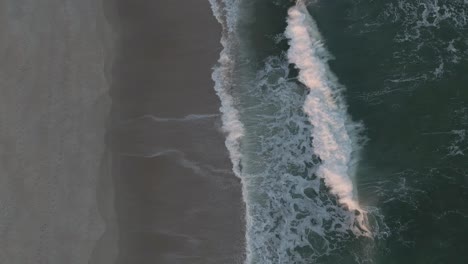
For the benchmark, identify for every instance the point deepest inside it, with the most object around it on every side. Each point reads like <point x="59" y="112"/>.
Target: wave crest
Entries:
<point x="334" y="134"/>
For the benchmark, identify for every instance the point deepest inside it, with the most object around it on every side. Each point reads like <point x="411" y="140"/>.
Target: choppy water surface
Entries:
<point x="347" y="122"/>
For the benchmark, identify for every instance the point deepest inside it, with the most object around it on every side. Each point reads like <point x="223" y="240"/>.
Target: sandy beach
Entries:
<point x="54" y="113"/>
<point x="84" y="179"/>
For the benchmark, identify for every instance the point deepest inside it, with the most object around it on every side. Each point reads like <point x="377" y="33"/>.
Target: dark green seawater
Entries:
<point x="403" y="67"/>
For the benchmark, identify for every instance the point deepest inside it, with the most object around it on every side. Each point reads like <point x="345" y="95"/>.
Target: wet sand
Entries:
<point x="177" y="200"/>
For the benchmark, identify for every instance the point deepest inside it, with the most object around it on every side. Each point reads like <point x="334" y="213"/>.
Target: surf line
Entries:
<point x="334" y="134"/>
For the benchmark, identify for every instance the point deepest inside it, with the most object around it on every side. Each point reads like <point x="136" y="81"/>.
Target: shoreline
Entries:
<point x="176" y="199"/>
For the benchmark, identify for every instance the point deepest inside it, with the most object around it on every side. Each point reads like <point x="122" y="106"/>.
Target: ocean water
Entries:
<point x="346" y="122"/>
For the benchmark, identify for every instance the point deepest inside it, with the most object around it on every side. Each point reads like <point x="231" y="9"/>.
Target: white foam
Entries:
<point x="226" y="12"/>
<point x="187" y="118"/>
<point x="287" y="207"/>
<point x="180" y="158"/>
<point x="439" y="71"/>
<point x="421" y="25"/>
<point x="277" y="176"/>
<point x="426" y="14"/>
<point x="332" y="138"/>
<point x="232" y="126"/>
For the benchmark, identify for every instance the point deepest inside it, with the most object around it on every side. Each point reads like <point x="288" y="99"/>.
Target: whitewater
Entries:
<point x="290" y="139"/>
<point x="335" y="135"/>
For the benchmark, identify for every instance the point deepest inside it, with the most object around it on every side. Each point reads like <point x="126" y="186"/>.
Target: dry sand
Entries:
<point x="54" y="108"/>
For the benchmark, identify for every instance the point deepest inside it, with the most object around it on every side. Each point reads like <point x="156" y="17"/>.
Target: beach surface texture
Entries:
<point x="110" y="140"/>
<point x="54" y="112"/>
